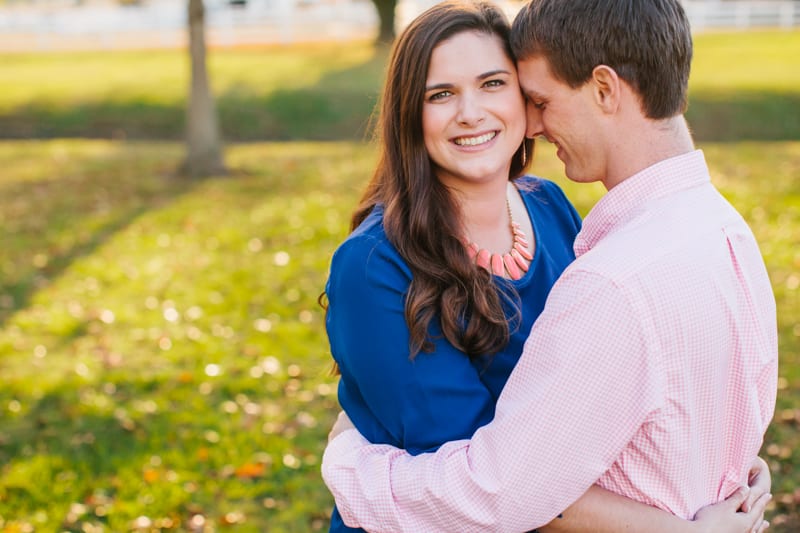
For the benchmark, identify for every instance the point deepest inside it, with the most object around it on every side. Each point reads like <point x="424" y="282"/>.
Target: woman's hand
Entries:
<point x="742" y="512"/>
<point x="760" y="482"/>
<point x="343" y="423"/>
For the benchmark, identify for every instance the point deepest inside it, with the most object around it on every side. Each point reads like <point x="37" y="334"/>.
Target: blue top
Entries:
<point x="439" y="396"/>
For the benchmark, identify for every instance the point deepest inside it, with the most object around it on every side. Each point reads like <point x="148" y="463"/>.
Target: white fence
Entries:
<point x="104" y="24"/>
<point x="162" y="23"/>
<point x="743" y="14"/>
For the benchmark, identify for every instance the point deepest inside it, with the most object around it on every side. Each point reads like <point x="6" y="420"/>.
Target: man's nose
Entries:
<point x="534" y="126"/>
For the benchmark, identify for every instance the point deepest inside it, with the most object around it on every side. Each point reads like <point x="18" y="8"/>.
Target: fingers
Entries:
<point x="342" y="423"/>
<point x="760" y="482"/>
<point x="738" y="499"/>
<point x="750" y="500"/>
<point x="756" y="514"/>
<point x="336" y="429"/>
<point x="760" y="505"/>
<point x="760" y="476"/>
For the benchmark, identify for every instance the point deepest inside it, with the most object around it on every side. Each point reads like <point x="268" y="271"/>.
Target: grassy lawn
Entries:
<point x="744" y="86"/>
<point x="163" y="356"/>
<point x="161" y="348"/>
<point x="314" y="92"/>
<point x="163" y="359"/>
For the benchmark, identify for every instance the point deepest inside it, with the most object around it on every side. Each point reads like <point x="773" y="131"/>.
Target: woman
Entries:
<point x="453" y="251"/>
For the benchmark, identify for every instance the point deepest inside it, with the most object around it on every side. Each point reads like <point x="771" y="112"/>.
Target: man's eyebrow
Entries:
<point x="479" y="77"/>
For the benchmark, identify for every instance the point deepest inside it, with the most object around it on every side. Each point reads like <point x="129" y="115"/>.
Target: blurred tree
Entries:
<point x="203" y="143"/>
<point x="386" y="16"/>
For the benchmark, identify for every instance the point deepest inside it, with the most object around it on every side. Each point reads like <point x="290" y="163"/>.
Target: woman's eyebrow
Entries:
<point x="439" y="86"/>
<point x="492" y="73"/>
<point x="479" y="77"/>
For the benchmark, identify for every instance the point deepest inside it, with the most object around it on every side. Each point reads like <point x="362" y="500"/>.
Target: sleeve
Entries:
<point x="419" y="403"/>
<point x="583" y="387"/>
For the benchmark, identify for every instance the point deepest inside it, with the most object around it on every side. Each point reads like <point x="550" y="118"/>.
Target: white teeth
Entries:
<point x="475" y="141"/>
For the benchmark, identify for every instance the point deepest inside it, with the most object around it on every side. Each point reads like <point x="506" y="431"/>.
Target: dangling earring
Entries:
<point x="524" y="153"/>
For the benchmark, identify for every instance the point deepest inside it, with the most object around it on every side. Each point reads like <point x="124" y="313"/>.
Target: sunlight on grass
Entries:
<point x="274" y="68"/>
<point x="163" y="355"/>
<point x="181" y="357"/>
<point x="59" y="80"/>
<point x="746" y="61"/>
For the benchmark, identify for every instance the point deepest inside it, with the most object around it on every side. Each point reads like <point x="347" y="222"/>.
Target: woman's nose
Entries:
<point x="470" y="111"/>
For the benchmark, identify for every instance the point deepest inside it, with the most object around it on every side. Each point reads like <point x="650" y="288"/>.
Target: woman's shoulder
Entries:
<point x="366" y="247"/>
<point x="368" y="234"/>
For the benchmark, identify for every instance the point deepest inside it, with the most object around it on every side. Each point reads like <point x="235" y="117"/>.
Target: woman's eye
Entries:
<point x="439" y="95"/>
<point x="494" y="83"/>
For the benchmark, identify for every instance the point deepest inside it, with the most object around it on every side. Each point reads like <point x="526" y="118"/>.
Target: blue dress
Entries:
<point x="440" y="396"/>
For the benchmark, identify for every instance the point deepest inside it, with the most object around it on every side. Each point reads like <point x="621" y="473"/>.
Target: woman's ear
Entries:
<point x="607" y="89"/>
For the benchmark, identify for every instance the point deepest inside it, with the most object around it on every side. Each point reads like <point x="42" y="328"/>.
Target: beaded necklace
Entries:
<point x="514" y="263"/>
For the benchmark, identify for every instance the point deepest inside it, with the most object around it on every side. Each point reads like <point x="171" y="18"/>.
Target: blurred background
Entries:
<point x="174" y="177"/>
<point x="116" y="24"/>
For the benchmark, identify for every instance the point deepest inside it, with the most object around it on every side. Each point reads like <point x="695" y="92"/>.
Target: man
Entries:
<point x="652" y="370"/>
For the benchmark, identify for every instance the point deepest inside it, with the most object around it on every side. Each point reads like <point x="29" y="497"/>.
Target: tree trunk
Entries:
<point x="386" y="16"/>
<point x="203" y="144"/>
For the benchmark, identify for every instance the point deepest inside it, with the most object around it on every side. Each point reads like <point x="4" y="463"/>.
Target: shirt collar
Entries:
<point x="620" y="203"/>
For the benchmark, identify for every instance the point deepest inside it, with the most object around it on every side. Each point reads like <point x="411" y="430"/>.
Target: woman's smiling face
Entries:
<point x="473" y="117"/>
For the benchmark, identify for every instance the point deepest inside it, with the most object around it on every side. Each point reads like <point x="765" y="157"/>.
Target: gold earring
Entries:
<point x="524" y="154"/>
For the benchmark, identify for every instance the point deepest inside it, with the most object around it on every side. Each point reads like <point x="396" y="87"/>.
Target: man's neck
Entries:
<point x="649" y="143"/>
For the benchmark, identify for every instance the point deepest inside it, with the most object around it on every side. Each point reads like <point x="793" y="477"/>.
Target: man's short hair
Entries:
<point x="647" y="42"/>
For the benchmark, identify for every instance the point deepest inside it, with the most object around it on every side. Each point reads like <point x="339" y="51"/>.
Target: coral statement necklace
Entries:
<point x="514" y="263"/>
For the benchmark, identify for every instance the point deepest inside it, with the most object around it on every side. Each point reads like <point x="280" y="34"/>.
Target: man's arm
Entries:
<point x="600" y="510"/>
<point x="583" y="387"/>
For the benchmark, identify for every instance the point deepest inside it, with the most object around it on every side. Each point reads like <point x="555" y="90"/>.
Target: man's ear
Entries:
<point x="607" y="88"/>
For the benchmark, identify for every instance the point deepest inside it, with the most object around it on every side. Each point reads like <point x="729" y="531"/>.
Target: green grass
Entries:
<point x="162" y="353"/>
<point x="744" y="86"/>
<point x="161" y="347"/>
<point x="309" y="92"/>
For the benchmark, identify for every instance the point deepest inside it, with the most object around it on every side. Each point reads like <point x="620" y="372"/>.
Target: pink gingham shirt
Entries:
<point x="651" y="372"/>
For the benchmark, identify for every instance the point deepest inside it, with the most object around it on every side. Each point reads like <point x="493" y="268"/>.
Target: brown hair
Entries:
<point x="647" y="42"/>
<point x="421" y="218"/>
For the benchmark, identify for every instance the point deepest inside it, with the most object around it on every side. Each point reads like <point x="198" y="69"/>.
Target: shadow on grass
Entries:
<point x="744" y="116"/>
<point x="338" y="107"/>
<point x="48" y="224"/>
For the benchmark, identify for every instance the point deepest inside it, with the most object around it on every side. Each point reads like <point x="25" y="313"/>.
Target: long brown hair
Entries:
<point x="421" y="218"/>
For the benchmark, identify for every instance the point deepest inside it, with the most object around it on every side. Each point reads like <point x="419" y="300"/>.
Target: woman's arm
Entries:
<point x="600" y="510"/>
<point x="418" y="403"/>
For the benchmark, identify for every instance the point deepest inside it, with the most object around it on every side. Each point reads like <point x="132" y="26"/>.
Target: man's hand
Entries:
<point x="343" y="423"/>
